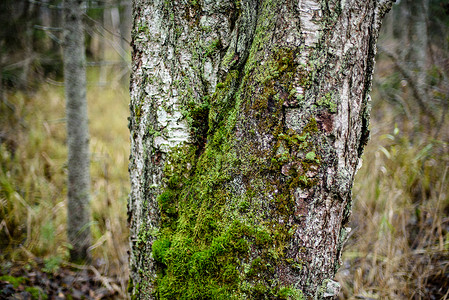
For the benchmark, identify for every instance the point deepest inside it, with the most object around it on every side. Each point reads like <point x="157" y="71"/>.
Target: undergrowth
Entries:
<point x="33" y="172"/>
<point x="398" y="248"/>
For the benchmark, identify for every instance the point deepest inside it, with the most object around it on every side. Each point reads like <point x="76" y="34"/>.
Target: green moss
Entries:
<point x="275" y="83"/>
<point x="138" y="112"/>
<point x="311" y="156"/>
<point x="244" y="206"/>
<point x="198" y="119"/>
<point x="160" y="248"/>
<point x="36" y="293"/>
<point x="306" y="76"/>
<point x="130" y="286"/>
<point x="259" y="290"/>
<point x="165" y="200"/>
<point x="201" y="271"/>
<point x="327" y="102"/>
<point x="15" y="281"/>
<point x="290" y="293"/>
<point x="223" y="100"/>
<point x="212" y="47"/>
<point x="143" y="28"/>
<point x="257" y="266"/>
<point x="143" y="237"/>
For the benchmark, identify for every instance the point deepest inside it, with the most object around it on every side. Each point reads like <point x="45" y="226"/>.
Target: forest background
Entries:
<point x="399" y="244"/>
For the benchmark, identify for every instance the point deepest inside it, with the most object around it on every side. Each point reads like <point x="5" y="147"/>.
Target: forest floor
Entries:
<point x="33" y="211"/>
<point x="36" y="281"/>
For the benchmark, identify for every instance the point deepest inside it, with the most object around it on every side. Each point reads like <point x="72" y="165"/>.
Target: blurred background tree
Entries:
<point x="26" y="50"/>
<point x="415" y="40"/>
<point x="78" y="162"/>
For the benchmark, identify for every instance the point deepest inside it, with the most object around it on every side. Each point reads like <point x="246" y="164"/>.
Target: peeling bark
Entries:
<point x="248" y="120"/>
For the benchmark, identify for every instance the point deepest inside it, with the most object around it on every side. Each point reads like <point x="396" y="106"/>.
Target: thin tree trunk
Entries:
<point x="78" y="214"/>
<point x="125" y="24"/>
<point x="417" y="58"/>
<point x="29" y="16"/>
<point x="412" y="60"/>
<point x="102" y="79"/>
<point x="418" y="39"/>
<point x="115" y="23"/>
<point x="248" y="120"/>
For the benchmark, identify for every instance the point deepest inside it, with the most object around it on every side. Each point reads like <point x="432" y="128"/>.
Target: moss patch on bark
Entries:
<point x="226" y="210"/>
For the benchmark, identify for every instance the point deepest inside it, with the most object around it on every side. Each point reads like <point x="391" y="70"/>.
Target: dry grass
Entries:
<point x="33" y="175"/>
<point x="400" y="240"/>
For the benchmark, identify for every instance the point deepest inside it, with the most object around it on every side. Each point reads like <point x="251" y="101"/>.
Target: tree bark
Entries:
<point x="78" y="214"/>
<point x="248" y="120"/>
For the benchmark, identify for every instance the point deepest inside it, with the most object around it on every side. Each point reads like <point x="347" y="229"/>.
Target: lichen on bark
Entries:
<point x="245" y="144"/>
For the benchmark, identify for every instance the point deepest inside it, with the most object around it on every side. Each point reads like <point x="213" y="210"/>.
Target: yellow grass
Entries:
<point x="400" y="240"/>
<point x="33" y="193"/>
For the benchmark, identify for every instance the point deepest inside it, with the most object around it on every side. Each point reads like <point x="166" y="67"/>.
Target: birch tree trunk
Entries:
<point x="125" y="24"/>
<point x="248" y="120"/>
<point x="418" y="38"/>
<point x="78" y="214"/>
<point x="416" y="57"/>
